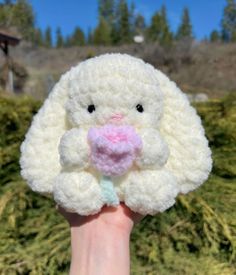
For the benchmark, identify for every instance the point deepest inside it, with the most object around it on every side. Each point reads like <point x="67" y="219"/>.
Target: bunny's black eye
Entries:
<point x="91" y="108"/>
<point x="139" y="108"/>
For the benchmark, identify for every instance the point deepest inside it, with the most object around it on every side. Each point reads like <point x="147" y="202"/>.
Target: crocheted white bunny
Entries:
<point x="115" y="129"/>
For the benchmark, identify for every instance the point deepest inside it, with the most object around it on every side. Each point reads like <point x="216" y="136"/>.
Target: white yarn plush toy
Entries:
<point x="115" y="129"/>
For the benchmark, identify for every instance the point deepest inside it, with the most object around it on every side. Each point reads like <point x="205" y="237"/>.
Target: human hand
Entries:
<point x="121" y="217"/>
<point x="100" y="242"/>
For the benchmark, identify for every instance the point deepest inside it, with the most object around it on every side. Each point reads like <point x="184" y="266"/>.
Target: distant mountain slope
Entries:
<point x="197" y="68"/>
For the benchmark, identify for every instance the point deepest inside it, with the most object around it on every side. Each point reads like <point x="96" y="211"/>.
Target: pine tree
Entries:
<point x="48" y="38"/>
<point x="132" y="18"/>
<point x="185" y="28"/>
<point x="38" y="37"/>
<point x="23" y="18"/>
<point x="77" y="38"/>
<point x="155" y="31"/>
<point x="67" y="41"/>
<point x="233" y="38"/>
<point x="124" y="22"/>
<point x="18" y="14"/>
<point x="115" y="35"/>
<point x="159" y="29"/>
<point x="214" y="36"/>
<point x="106" y="9"/>
<point x="90" y="37"/>
<point x="166" y="38"/>
<point x="102" y="34"/>
<point x="59" y="38"/>
<point x="139" y="24"/>
<point x="8" y="2"/>
<point x="229" y="21"/>
<point x="6" y="16"/>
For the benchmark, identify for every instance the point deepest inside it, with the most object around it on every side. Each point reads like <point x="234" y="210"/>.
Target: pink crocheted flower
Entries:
<point x="113" y="148"/>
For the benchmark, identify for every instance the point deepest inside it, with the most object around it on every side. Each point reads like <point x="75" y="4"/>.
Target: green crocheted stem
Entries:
<point x="108" y="191"/>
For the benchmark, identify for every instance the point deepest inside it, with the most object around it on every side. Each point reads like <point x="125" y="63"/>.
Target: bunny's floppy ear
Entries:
<point x="190" y="157"/>
<point x="39" y="152"/>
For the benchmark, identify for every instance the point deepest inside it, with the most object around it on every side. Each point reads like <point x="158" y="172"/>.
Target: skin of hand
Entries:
<point x="100" y="242"/>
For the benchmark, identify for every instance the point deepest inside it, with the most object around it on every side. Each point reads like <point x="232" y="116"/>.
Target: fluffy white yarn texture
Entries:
<point x="175" y="156"/>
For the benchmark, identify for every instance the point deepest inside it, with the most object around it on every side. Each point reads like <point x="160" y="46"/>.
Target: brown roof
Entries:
<point x="6" y="37"/>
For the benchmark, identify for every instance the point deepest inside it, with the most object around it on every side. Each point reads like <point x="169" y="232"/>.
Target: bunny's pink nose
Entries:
<point x="117" y="117"/>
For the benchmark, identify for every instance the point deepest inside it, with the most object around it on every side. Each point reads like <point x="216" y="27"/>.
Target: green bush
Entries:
<point x="196" y="236"/>
<point x="15" y="118"/>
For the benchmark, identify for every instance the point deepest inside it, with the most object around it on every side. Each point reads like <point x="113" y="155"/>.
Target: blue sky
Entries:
<point x="205" y="14"/>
